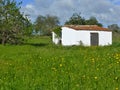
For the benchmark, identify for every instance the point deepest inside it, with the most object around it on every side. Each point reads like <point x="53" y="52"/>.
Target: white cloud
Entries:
<point x="28" y="6"/>
<point x="106" y="11"/>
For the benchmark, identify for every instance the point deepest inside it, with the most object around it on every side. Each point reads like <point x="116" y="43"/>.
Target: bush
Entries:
<point x="57" y="31"/>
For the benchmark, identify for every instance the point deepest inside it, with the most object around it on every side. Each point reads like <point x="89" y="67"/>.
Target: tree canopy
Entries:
<point x="77" y="19"/>
<point x="93" y="21"/>
<point x="45" y="24"/>
<point x="13" y="24"/>
<point x="114" y="27"/>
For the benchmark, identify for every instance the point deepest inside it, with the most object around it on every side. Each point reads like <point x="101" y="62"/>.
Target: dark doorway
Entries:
<point x="94" y="39"/>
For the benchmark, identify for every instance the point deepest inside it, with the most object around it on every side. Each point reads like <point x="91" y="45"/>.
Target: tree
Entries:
<point x="76" y="19"/>
<point x="45" y="24"/>
<point x="13" y="25"/>
<point x="93" y="21"/>
<point x="51" y="22"/>
<point x="114" y="27"/>
<point x="40" y="24"/>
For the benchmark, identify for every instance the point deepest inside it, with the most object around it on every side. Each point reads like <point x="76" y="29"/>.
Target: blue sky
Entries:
<point x="106" y="11"/>
<point x="25" y="2"/>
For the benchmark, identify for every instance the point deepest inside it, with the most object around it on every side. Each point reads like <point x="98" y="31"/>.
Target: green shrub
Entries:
<point x="57" y="31"/>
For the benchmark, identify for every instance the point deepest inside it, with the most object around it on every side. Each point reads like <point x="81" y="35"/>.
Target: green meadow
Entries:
<point x="41" y="65"/>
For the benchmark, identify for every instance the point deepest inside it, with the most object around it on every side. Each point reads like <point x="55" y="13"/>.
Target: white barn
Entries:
<point x="87" y="35"/>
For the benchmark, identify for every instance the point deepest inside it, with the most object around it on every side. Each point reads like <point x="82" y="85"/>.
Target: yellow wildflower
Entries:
<point x="116" y="78"/>
<point x="117" y="62"/>
<point x="95" y="78"/>
<point x="60" y="65"/>
<point x="93" y="60"/>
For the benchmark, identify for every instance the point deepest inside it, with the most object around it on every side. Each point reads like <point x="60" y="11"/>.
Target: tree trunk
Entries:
<point x="3" y="41"/>
<point x="3" y="38"/>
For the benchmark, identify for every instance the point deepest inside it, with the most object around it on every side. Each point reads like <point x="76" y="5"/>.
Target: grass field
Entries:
<point x="40" y="65"/>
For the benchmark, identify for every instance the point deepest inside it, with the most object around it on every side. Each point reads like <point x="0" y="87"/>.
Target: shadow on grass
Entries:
<point x="36" y="44"/>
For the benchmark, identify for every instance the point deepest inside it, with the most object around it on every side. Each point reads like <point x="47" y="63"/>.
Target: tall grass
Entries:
<point x="41" y="65"/>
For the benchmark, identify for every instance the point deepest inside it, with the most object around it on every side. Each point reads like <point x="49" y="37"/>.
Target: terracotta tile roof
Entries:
<point x="87" y="27"/>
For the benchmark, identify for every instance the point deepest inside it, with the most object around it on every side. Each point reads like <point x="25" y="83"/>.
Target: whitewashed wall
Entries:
<point x="55" y="39"/>
<point x="74" y="37"/>
<point x="105" y="38"/>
